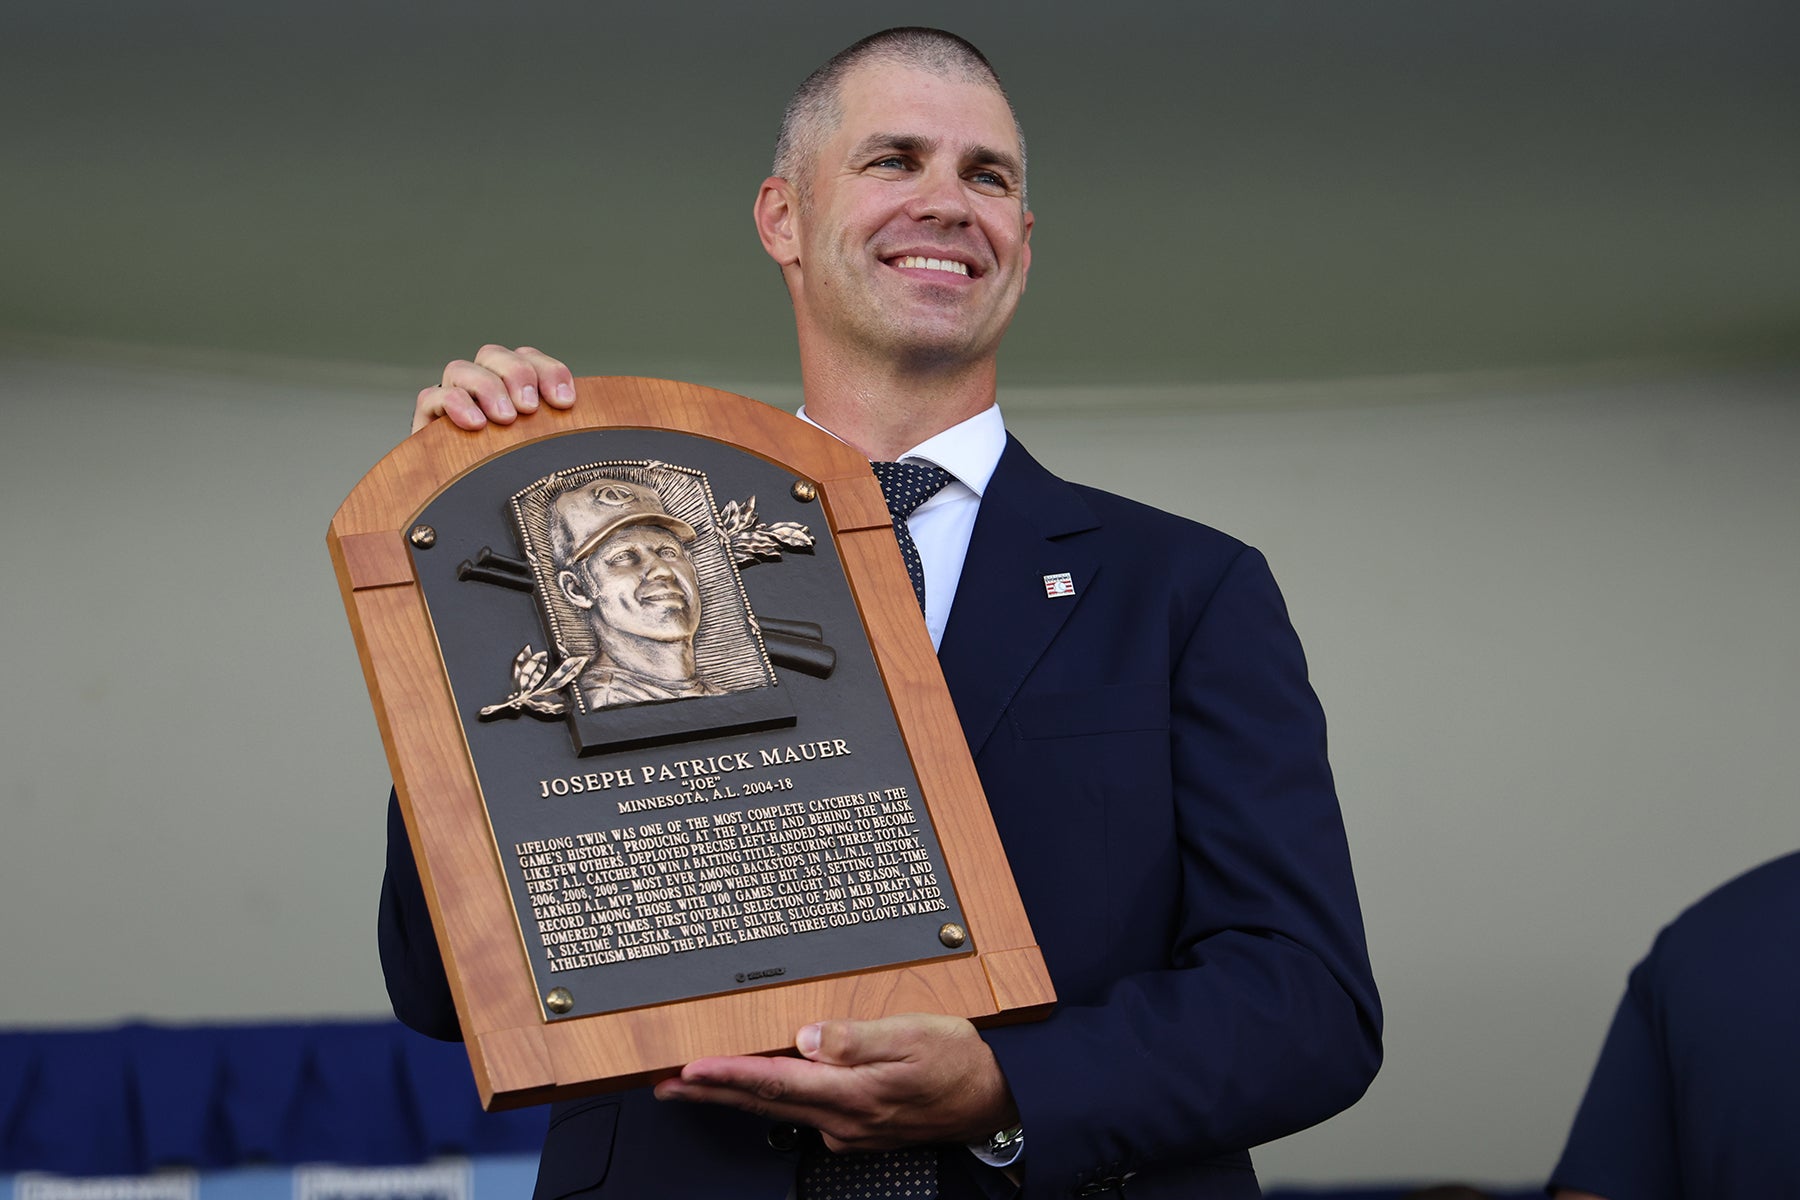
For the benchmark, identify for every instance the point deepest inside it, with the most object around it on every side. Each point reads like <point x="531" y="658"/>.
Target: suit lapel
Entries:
<point x="1002" y="619"/>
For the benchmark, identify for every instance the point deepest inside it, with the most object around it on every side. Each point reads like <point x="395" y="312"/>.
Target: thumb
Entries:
<point x="846" y="1042"/>
<point x="839" y="1043"/>
<point x="852" y="1043"/>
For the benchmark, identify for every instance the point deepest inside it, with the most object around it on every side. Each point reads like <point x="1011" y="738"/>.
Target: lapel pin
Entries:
<point x="1059" y="584"/>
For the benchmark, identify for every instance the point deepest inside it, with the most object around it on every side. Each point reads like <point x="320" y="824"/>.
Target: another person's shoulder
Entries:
<point x="1729" y="963"/>
<point x="1777" y="880"/>
<point x="1750" y="909"/>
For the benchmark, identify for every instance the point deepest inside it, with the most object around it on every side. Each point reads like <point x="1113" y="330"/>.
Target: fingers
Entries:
<point x="555" y="383"/>
<point x="458" y="405"/>
<point x="827" y="1098"/>
<point x="778" y="1088"/>
<point x="499" y="385"/>
<point x="767" y="1081"/>
<point x="865" y="1085"/>
<point x="841" y="1133"/>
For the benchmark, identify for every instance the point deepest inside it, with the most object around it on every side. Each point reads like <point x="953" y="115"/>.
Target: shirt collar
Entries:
<point x="969" y="450"/>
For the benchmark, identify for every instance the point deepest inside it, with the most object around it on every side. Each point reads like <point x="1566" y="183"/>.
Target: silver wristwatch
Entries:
<point x="1004" y="1143"/>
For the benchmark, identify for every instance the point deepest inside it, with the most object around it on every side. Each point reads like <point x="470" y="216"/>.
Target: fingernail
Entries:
<point x="528" y="400"/>
<point x="807" y="1040"/>
<point x="565" y="391"/>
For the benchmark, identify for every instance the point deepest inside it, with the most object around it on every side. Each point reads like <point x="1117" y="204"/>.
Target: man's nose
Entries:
<point x="939" y="196"/>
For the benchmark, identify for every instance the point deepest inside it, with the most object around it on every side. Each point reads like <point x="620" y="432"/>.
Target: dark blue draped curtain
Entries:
<point x="130" y="1099"/>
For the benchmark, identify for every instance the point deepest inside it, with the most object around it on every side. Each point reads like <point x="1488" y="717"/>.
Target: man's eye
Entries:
<point x="623" y="558"/>
<point x="669" y="553"/>
<point x="990" y="179"/>
<point x="891" y="162"/>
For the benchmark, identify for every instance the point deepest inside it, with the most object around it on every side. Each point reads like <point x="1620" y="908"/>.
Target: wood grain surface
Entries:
<point x="519" y="1056"/>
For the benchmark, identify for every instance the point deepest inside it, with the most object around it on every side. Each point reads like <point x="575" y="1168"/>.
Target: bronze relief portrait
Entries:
<point x="635" y="577"/>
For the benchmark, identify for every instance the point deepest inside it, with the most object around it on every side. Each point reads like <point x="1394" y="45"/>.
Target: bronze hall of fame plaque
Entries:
<point x="670" y="739"/>
<point x="667" y="823"/>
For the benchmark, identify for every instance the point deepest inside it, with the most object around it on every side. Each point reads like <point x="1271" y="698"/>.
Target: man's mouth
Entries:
<point x="920" y="263"/>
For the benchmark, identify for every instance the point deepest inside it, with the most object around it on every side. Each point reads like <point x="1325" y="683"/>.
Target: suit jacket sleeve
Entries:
<point x="410" y="962"/>
<point x="1229" y="999"/>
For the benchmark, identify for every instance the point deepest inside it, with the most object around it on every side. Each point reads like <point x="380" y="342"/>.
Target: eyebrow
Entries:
<point x="913" y="143"/>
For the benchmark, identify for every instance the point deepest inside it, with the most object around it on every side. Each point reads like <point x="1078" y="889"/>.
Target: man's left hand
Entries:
<point x="866" y="1085"/>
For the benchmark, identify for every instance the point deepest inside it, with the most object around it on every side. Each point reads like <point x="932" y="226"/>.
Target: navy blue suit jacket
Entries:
<point x="1155" y="761"/>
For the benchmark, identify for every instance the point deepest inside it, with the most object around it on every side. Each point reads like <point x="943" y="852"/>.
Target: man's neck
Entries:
<point x="885" y="409"/>
<point x="667" y="662"/>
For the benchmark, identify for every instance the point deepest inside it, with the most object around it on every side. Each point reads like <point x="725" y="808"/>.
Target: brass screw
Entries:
<point x="803" y="491"/>
<point x="952" y="935"/>
<point x="423" y="536"/>
<point x="559" y="1001"/>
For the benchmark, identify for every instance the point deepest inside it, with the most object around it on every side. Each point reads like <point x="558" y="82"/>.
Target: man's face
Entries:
<point x="921" y="168"/>
<point x="642" y="582"/>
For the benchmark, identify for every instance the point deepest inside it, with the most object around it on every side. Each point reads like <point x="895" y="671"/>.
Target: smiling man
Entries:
<point x="1131" y="689"/>
<point x="902" y="232"/>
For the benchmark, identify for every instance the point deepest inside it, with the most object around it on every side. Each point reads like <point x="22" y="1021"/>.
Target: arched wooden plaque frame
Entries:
<point x="519" y="1056"/>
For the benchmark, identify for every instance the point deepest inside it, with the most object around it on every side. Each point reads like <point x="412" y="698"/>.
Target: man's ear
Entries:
<point x="1025" y="250"/>
<point x="777" y="216"/>
<point x="570" y="583"/>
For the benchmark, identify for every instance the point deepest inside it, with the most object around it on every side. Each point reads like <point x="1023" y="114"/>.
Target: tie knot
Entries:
<point x="906" y="485"/>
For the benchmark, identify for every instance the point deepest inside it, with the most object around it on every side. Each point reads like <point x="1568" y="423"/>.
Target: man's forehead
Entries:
<point x="896" y="102"/>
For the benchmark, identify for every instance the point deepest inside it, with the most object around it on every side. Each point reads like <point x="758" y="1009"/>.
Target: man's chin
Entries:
<point x="946" y="342"/>
<point x="675" y="625"/>
<point x="945" y="352"/>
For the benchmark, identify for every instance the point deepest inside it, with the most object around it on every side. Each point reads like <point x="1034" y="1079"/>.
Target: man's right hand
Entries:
<point x="498" y="386"/>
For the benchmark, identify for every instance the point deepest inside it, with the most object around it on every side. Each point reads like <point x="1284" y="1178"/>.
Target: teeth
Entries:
<point x="935" y="264"/>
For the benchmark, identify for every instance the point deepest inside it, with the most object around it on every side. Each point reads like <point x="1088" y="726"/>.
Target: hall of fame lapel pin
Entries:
<point x="1060" y="584"/>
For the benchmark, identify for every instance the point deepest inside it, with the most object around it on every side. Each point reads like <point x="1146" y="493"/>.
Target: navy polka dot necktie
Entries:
<point x="908" y="1174"/>
<point x="907" y="485"/>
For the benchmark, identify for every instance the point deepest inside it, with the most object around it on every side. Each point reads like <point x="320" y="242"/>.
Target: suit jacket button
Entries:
<point x="783" y="1137"/>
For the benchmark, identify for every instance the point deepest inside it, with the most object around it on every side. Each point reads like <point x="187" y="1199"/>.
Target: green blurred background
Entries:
<point x="1226" y="191"/>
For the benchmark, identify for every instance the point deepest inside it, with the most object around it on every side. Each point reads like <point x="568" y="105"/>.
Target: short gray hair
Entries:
<point x="815" y="108"/>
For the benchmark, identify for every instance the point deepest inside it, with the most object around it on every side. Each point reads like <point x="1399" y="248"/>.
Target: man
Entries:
<point x="1127" y="681"/>
<point x="623" y="560"/>
<point x="1694" y="1095"/>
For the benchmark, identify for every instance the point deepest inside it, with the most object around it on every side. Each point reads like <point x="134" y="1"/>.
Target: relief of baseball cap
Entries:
<point x="592" y="512"/>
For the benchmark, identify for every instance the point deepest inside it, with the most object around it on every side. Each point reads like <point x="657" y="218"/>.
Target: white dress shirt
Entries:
<point x="970" y="450"/>
<point x="940" y="527"/>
